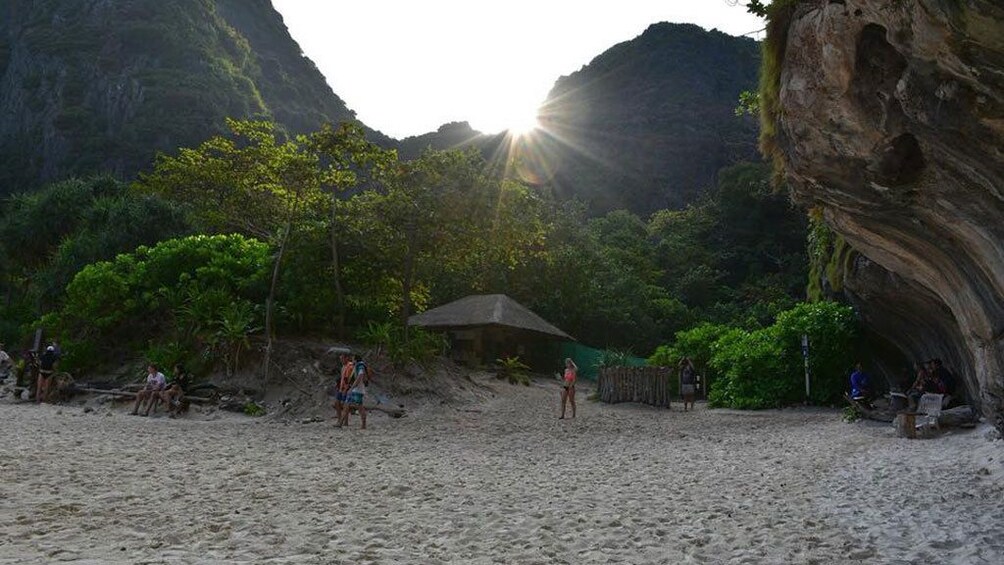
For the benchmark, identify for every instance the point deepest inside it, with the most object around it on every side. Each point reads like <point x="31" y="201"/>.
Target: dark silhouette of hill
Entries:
<point x="646" y="125"/>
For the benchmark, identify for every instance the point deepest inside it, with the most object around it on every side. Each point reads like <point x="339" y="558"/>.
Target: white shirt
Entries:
<point x="156" y="380"/>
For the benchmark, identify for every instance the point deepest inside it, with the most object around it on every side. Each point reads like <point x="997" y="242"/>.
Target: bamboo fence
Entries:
<point x="645" y="385"/>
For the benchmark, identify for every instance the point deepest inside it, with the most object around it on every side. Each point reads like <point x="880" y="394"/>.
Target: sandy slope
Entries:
<point x="507" y="484"/>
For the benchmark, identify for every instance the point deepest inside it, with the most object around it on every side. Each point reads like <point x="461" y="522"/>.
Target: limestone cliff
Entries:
<point x="92" y="86"/>
<point x="888" y="115"/>
<point x="648" y="123"/>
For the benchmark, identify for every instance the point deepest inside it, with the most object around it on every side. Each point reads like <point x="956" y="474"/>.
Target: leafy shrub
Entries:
<point x="183" y="298"/>
<point x="252" y="408"/>
<point x="615" y="358"/>
<point x="166" y="355"/>
<point x="697" y="343"/>
<point x="513" y="370"/>
<point x="764" y="368"/>
<point x="78" y="356"/>
<point x="850" y="414"/>
<point x="379" y="334"/>
<point x="420" y="346"/>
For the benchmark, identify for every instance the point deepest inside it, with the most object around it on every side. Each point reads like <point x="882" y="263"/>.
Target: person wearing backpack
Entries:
<point x="357" y="392"/>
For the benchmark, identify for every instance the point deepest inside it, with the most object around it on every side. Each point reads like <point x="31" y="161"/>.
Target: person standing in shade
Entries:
<point x="46" y="367"/>
<point x="688" y="382"/>
<point x="568" y="386"/>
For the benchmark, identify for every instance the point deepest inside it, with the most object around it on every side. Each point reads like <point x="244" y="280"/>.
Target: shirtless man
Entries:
<point x="357" y="392"/>
<point x="155" y="383"/>
<point x="342" y="387"/>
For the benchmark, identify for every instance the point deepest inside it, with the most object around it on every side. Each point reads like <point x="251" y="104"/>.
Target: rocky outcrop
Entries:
<point x="645" y="125"/>
<point x="648" y="123"/>
<point x="95" y="86"/>
<point x="891" y="121"/>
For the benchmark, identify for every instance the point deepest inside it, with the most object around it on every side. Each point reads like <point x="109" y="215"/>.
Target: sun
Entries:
<point x="522" y="124"/>
<point x="513" y="114"/>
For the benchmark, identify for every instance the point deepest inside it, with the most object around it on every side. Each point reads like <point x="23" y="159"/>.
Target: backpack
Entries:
<point x="362" y="372"/>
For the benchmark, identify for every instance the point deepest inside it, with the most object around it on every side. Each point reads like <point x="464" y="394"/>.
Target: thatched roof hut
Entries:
<point x="485" y="327"/>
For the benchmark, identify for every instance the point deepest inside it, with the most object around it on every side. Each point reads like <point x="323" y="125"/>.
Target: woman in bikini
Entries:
<point x="568" y="386"/>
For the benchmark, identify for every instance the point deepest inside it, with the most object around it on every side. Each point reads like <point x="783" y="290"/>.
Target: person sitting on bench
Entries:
<point x="155" y="383"/>
<point x="175" y="391"/>
<point x="860" y="385"/>
<point x="944" y="376"/>
<point x="926" y="383"/>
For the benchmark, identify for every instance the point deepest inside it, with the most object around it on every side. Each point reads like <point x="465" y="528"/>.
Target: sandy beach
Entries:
<point x="503" y="481"/>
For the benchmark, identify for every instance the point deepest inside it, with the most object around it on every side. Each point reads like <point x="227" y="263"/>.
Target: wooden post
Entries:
<point x="906" y="425"/>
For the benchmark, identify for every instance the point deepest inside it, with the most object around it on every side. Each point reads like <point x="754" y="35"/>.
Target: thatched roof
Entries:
<point x="485" y="310"/>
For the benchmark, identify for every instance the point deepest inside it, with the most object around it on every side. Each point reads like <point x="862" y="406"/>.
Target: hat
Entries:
<point x="50" y="348"/>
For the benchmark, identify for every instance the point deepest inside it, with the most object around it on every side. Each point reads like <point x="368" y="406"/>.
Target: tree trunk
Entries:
<point x="406" y="280"/>
<point x="336" y="268"/>
<point x="270" y="306"/>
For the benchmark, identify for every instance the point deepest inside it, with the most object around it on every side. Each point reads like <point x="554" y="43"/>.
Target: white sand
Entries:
<point x="507" y="484"/>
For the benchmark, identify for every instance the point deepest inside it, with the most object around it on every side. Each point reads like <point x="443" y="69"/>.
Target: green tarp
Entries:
<point x="588" y="359"/>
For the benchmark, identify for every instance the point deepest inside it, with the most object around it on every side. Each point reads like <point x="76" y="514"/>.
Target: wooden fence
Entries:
<point x="647" y="385"/>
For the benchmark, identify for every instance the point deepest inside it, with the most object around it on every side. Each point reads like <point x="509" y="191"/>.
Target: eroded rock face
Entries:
<point x="893" y="124"/>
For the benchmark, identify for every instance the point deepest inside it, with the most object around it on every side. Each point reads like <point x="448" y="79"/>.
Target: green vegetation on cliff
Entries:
<point x="100" y="87"/>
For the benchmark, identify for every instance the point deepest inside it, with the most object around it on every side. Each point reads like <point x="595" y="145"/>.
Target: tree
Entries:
<point x="252" y="182"/>
<point x="347" y="161"/>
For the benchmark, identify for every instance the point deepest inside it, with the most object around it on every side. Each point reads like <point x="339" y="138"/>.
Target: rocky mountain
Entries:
<point x="888" y="117"/>
<point x="646" y="125"/>
<point x="98" y="85"/>
<point x="454" y="135"/>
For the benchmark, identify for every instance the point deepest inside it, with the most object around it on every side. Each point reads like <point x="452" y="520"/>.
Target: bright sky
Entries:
<point x="408" y="66"/>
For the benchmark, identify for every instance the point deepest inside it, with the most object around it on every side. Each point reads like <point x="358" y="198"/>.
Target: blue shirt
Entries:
<point x="859" y="382"/>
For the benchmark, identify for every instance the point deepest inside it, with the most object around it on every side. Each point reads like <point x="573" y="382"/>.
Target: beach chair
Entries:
<point x="930" y="408"/>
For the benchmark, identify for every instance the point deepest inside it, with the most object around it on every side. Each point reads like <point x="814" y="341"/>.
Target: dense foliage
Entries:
<point x="193" y="299"/>
<point x="353" y="239"/>
<point x="47" y="236"/>
<point x="763" y="367"/>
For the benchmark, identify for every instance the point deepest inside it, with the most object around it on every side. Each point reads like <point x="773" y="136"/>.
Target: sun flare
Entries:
<point x="522" y="125"/>
<point x="515" y="114"/>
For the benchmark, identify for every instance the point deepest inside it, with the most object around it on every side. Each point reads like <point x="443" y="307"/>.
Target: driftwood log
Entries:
<point x="393" y="411"/>
<point x="128" y="394"/>
<point x="871" y="412"/>
<point x="958" y="417"/>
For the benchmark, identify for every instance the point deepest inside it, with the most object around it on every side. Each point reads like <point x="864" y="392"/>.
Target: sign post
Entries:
<point x="805" y="356"/>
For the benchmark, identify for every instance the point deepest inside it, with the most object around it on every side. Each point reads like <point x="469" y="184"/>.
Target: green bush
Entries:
<point x="615" y="358"/>
<point x="513" y="370"/>
<point x="183" y="300"/>
<point x="253" y="409"/>
<point x="420" y="346"/>
<point x="764" y="368"/>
